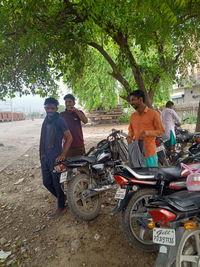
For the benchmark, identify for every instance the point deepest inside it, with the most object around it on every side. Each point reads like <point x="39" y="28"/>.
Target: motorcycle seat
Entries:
<point x="182" y="201"/>
<point x="146" y="170"/>
<point x="170" y="173"/>
<point x="80" y="158"/>
<point x="143" y="173"/>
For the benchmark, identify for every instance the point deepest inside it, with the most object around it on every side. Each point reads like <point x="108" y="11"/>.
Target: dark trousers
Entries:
<point x="52" y="180"/>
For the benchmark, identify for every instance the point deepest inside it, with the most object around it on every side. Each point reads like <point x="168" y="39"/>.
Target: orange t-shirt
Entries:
<point x="150" y="123"/>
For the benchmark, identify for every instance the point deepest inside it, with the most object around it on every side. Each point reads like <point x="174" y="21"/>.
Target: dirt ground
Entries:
<point x="26" y="232"/>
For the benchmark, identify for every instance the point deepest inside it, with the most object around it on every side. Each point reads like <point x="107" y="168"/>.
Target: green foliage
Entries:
<point x="92" y="88"/>
<point x="141" y="44"/>
<point x="124" y="119"/>
<point x="189" y="119"/>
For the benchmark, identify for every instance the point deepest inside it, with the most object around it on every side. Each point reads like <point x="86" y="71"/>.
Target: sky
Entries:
<point x="30" y="103"/>
<point x="26" y="104"/>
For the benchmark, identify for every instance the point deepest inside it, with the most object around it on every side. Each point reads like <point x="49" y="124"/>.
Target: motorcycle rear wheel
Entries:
<point x="136" y="234"/>
<point x="188" y="254"/>
<point x="84" y="209"/>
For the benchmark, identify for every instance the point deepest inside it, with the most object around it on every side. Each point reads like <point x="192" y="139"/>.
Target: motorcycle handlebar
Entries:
<point x="115" y="131"/>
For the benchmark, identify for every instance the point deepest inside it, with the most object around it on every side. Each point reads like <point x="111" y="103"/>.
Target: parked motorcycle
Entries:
<point x="136" y="186"/>
<point x="161" y="152"/>
<point x="88" y="176"/>
<point x="194" y="149"/>
<point x="176" y="229"/>
<point x="184" y="136"/>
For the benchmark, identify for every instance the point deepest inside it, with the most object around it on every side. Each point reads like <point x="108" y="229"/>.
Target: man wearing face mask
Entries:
<point x="145" y="125"/>
<point x="54" y="129"/>
<point x="74" y="117"/>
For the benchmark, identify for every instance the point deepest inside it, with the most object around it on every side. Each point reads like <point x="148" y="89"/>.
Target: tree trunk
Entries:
<point x="198" y="119"/>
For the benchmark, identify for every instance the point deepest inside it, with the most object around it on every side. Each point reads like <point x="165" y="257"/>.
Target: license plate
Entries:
<point x="63" y="177"/>
<point x="160" y="148"/>
<point x="120" y="194"/>
<point x="164" y="236"/>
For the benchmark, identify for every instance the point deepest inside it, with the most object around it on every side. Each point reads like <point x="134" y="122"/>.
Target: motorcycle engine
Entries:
<point x="104" y="173"/>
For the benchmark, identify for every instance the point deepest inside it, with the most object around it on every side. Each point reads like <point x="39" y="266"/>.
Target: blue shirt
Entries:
<point x="61" y="127"/>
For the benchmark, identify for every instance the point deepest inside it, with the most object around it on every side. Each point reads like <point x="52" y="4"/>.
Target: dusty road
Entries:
<point x="16" y="138"/>
<point x="25" y="231"/>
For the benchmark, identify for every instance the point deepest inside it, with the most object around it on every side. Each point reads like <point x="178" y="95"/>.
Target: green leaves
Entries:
<point x="143" y="45"/>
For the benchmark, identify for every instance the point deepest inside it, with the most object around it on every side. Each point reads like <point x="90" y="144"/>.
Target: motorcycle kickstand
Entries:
<point x="167" y="254"/>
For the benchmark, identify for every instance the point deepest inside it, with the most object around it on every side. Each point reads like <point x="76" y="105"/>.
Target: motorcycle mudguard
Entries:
<point x="69" y="175"/>
<point x="122" y="203"/>
<point x="167" y="254"/>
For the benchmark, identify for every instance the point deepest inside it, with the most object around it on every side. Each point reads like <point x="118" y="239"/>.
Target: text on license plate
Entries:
<point x="120" y="194"/>
<point x="63" y="177"/>
<point x="164" y="236"/>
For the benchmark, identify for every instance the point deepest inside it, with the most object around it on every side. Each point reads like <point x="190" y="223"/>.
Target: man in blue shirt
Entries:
<point x="54" y="131"/>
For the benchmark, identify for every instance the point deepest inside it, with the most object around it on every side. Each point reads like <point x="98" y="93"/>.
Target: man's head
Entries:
<point x="169" y="104"/>
<point x="51" y="106"/>
<point x="137" y="99"/>
<point x="69" y="101"/>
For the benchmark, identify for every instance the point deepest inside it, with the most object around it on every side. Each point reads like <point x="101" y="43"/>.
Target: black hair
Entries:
<point x="70" y="97"/>
<point x="51" y="100"/>
<point x="138" y="93"/>
<point x="169" y="104"/>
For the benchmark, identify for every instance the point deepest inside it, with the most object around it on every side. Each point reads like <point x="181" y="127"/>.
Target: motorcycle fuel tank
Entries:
<point x="102" y="157"/>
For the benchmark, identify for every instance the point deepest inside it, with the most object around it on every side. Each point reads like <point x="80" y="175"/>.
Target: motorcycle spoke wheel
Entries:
<point x="189" y="249"/>
<point x="84" y="204"/>
<point x="134" y="221"/>
<point x="84" y="208"/>
<point x="139" y="211"/>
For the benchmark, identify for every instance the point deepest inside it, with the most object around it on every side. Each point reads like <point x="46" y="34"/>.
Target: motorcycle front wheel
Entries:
<point x="134" y="221"/>
<point x="84" y="209"/>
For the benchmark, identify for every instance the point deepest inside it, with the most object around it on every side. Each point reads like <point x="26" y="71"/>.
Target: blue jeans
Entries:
<point x="52" y="180"/>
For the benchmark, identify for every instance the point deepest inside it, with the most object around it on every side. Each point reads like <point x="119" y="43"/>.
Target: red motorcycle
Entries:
<point x="136" y="186"/>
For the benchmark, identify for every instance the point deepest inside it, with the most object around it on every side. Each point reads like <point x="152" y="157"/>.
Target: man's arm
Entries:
<point x="158" y="127"/>
<point x="81" y="115"/>
<point x="66" y="146"/>
<point x="176" y="117"/>
<point x="130" y="136"/>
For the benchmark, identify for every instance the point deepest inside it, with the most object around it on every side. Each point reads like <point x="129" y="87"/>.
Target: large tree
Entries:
<point x="144" y="45"/>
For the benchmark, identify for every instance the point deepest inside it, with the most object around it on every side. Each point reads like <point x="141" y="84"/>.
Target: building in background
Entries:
<point x="188" y="94"/>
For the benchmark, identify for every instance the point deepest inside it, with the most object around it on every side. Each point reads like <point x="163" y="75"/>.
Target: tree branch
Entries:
<point x="123" y="44"/>
<point x="178" y="55"/>
<point x="115" y="74"/>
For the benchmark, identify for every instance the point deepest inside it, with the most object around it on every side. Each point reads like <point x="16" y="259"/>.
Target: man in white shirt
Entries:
<point x="169" y="118"/>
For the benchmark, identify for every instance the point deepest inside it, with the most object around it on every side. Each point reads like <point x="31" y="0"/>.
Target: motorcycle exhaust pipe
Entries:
<point x="103" y="188"/>
<point x="95" y="191"/>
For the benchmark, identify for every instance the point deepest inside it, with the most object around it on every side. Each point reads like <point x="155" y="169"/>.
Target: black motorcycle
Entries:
<point x="175" y="221"/>
<point x="88" y="176"/>
<point x="193" y="150"/>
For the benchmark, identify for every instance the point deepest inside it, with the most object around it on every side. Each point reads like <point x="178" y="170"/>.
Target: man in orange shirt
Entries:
<point x="145" y="125"/>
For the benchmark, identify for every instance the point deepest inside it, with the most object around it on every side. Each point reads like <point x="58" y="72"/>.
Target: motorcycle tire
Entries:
<point x="132" y="233"/>
<point x="188" y="253"/>
<point x="84" y="209"/>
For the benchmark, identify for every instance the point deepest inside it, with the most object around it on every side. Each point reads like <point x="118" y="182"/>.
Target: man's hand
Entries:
<point x="60" y="158"/>
<point x="129" y="139"/>
<point x="74" y="109"/>
<point x="80" y="114"/>
<point x="143" y="134"/>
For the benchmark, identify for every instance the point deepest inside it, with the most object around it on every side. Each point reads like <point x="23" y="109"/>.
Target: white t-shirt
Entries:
<point x="169" y="118"/>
